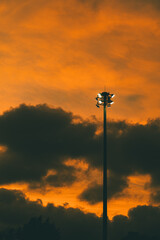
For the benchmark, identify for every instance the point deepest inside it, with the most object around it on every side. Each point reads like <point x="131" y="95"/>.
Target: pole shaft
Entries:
<point x="105" y="174"/>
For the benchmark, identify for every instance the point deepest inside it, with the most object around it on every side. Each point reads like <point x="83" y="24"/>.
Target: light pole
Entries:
<point x="104" y="99"/>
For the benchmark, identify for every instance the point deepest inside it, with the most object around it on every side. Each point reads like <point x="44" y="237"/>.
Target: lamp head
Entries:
<point x="104" y="99"/>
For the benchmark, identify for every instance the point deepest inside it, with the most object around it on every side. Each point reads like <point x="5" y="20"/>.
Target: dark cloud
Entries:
<point x="40" y="139"/>
<point x="116" y="184"/>
<point x="62" y="178"/>
<point x="16" y="211"/>
<point x="155" y="197"/>
<point x="145" y="220"/>
<point x="133" y="148"/>
<point x="141" y="221"/>
<point x="137" y="236"/>
<point x="137" y="146"/>
<point x="94" y="193"/>
<point x="138" y="5"/>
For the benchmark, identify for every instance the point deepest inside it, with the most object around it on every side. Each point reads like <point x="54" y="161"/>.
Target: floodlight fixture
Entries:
<point x="99" y="95"/>
<point x="104" y="99"/>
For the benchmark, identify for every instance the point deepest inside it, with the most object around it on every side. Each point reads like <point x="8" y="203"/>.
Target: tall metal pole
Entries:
<point x="105" y="173"/>
<point x="104" y="99"/>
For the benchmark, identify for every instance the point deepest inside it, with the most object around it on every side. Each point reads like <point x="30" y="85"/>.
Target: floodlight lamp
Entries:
<point x="99" y="95"/>
<point x="104" y="99"/>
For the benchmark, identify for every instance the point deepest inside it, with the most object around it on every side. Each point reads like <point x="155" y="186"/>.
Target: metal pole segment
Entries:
<point x="105" y="173"/>
<point x="104" y="99"/>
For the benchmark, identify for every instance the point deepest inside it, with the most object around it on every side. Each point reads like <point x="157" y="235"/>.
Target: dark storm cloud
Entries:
<point x="93" y="194"/>
<point x="155" y="197"/>
<point x="133" y="148"/>
<point x="138" y="236"/>
<point x="141" y="221"/>
<point x="40" y="138"/>
<point x="16" y="210"/>
<point x="62" y="178"/>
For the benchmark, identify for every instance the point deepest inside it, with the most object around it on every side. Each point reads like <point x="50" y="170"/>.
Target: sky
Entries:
<point x="55" y="56"/>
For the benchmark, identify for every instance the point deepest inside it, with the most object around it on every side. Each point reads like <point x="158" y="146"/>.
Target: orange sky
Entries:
<point x="132" y="196"/>
<point x="63" y="52"/>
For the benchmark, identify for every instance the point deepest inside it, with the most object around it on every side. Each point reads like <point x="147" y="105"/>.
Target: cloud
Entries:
<point x="137" y="236"/>
<point x="155" y="197"/>
<point x="17" y="210"/>
<point x="132" y="148"/>
<point x="150" y="216"/>
<point x="142" y="3"/>
<point x="39" y="139"/>
<point x="141" y="221"/>
<point x="93" y="194"/>
<point x="65" y="176"/>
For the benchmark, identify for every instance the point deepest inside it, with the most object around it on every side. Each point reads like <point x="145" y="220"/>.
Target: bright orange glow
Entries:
<point x="3" y="149"/>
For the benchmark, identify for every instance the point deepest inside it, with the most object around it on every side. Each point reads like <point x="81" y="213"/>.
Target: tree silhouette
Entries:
<point x="35" y="229"/>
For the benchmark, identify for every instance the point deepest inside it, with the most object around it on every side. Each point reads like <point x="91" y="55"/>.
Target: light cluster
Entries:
<point x="104" y="99"/>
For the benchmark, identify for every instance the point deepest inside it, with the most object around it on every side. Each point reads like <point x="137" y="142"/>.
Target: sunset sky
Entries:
<point x="55" y="56"/>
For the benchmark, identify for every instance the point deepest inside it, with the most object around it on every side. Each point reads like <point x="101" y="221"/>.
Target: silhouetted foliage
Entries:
<point x="35" y="229"/>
